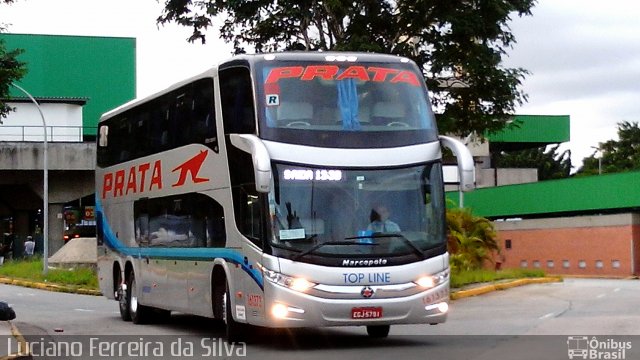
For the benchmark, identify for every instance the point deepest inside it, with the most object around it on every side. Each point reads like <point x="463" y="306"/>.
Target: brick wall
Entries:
<point x="607" y="245"/>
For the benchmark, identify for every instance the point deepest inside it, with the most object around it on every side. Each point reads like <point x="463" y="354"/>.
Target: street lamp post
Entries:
<point x="599" y="159"/>
<point x="45" y="250"/>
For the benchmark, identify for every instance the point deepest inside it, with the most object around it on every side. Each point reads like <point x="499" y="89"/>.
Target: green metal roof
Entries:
<point x="540" y="129"/>
<point x="580" y="195"/>
<point x="100" y="69"/>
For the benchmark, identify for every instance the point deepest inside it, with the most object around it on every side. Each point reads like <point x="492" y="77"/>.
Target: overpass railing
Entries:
<point x="55" y="133"/>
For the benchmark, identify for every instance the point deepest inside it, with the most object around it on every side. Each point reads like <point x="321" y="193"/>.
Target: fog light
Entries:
<point x="443" y="307"/>
<point x="279" y="311"/>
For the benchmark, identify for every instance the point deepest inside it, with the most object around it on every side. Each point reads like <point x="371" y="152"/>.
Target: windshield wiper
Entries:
<point x="416" y="250"/>
<point x="318" y="246"/>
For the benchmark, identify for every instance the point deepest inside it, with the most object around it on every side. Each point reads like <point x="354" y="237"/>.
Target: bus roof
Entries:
<point x="252" y="59"/>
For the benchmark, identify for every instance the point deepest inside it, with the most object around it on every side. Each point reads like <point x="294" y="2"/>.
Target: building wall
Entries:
<point x="64" y="122"/>
<point x="605" y="245"/>
<point x="101" y="69"/>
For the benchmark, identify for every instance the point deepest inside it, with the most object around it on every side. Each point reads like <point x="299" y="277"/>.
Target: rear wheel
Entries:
<point x="139" y="313"/>
<point x="378" y="331"/>
<point x="124" y="298"/>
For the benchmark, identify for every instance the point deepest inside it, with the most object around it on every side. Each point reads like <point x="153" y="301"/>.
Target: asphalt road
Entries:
<point x="498" y="325"/>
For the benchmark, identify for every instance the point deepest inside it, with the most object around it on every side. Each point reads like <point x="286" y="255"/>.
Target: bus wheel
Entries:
<point x="139" y="313"/>
<point x="235" y="331"/>
<point x="124" y="297"/>
<point x="378" y="331"/>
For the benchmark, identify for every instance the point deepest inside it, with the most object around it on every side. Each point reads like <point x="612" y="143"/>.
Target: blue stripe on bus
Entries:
<point x="230" y="255"/>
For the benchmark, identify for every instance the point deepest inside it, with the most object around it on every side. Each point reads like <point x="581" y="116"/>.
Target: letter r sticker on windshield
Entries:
<point x="272" y="100"/>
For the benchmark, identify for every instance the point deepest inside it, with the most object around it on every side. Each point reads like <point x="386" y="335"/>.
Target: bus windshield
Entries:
<point x="368" y="104"/>
<point x="356" y="212"/>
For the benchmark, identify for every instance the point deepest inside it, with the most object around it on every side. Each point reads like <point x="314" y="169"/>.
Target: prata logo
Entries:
<point x="584" y="348"/>
<point x="191" y="166"/>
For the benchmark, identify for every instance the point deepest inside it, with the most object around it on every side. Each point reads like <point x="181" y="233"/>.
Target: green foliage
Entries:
<point x="472" y="240"/>
<point x="31" y="269"/>
<point x="617" y="155"/>
<point x="550" y="163"/>
<point x="462" y="278"/>
<point x="459" y="44"/>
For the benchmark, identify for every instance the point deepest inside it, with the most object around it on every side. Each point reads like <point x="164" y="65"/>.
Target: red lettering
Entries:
<point x="407" y="77"/>
<point x="107" y="184"/>
<point x="142" y="169"/>
<point x="156" y="177"/>
<point x="131" y="182"/>
<point x="118" y="187"/>
<point x="283" y="72"/>
<point x="380" y="74"/>
<point x="354" y="72"/>
<point x="325" y="72"/>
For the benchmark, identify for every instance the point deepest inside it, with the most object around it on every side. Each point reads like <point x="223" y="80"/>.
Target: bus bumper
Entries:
<point x="288" y="308"/>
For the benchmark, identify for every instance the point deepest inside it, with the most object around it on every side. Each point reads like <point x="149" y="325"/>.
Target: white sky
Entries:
<point x="583" y="55"/>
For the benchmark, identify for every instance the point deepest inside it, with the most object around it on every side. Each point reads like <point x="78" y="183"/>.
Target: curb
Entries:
<point x="49" y="287"/>
<point x="22" y="344"/>
<point x="460" y="294"/>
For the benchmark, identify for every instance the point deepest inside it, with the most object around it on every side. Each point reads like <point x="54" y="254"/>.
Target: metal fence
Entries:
<point x="33" y="133"/>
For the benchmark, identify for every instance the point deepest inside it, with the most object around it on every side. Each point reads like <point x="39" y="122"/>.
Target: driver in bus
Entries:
<point x="380" y="222"/>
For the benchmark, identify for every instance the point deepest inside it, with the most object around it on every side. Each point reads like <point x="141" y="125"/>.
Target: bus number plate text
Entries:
<point x="366" y="312"/>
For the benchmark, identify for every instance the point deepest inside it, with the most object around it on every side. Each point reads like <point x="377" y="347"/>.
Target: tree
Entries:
<point x="471" y="240"/>
<point x="616" y="155"/>
<point x="459" y="44"/>
<point x="550" y="163"/>
<point x="11" y="69"/>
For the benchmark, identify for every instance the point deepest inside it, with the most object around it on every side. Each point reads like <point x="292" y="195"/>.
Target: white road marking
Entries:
<point x="84" y="310"/>
<point x="601" y="296"/>
<point x="616" y="289"/>
<point x="549" y="315"/>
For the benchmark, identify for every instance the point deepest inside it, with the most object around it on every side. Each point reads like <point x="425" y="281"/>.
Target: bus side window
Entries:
<point x="202" y="117"/>
<point x="236" y="93"/>
<point x="188" y="220"/>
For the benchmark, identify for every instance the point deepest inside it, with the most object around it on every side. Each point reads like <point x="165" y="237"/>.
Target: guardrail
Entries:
<point x="34" y="133"/>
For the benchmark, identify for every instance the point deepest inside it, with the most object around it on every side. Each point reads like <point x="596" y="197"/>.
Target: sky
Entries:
<point x="583" y="55"/>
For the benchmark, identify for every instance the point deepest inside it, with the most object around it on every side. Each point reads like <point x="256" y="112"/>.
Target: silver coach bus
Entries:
<point x="279" y="190"/>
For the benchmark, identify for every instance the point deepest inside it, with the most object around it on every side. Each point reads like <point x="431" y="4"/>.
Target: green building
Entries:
<point x="100" y="70"/>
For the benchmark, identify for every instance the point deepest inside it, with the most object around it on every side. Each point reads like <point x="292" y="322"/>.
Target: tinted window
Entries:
<point x="181" y="117"/>
<point x="189" y="220"/>
<point x="237" y="101"/>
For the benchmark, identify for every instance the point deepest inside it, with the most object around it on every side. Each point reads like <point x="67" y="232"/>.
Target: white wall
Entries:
<point x="64" y="123"/>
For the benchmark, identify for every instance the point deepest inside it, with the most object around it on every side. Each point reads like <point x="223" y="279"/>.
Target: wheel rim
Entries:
<point x="134" y="299"/>
<point x="224" y="307"/>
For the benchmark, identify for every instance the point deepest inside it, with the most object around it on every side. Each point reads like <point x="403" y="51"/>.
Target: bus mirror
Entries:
<point x="261" y="160"/>
<point x="466" y="166"/>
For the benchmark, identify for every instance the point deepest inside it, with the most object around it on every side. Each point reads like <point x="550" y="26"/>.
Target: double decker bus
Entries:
<point x="279" y="190"/>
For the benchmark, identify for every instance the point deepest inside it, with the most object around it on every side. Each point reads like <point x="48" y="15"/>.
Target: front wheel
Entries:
<point x="378" y="331"/>
<point x="235" y="331"/>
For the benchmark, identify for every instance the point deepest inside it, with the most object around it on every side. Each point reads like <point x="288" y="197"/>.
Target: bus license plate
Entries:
<point x="366" y="312"/>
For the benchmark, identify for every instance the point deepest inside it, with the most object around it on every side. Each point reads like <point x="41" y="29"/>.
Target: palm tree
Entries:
<point x="471" y="239"/>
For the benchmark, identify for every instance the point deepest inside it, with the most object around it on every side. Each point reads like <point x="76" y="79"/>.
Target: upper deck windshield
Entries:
<point x="366" y="104"/>
<point x="322" y="215"/>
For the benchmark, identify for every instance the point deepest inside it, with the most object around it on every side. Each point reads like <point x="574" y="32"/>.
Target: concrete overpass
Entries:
<point x="71" y="176"/>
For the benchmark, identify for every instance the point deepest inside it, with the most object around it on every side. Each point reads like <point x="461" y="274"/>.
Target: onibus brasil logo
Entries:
<point x="582" y="347"/>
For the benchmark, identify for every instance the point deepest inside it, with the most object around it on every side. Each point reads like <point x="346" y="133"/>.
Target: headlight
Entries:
<point x="294" y="283"/>
<point x="434" y="280"/>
